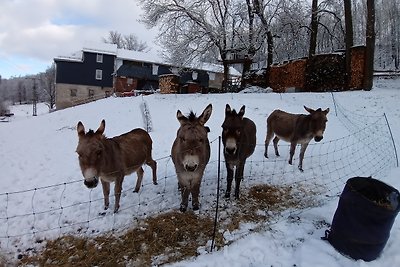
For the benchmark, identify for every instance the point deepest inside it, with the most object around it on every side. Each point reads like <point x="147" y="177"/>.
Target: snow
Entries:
<point x="43" y="196"/>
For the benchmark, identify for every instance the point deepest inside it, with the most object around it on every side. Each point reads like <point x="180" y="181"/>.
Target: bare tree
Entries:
<point x="348" y="39"/>
<point x="129" y="42"/>
<point x="114" y="37"/>
<point x="370" y="45"/>
<point x="47" y="80"/>
<point x="189" y="29"/>
<point x="314" y="28"/>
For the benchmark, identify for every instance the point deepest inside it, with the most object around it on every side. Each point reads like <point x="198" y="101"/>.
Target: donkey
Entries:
<point x="295" y="129"/>
<point x="190" y="154"/>
<point x="110" y="159"/>
<point x="239" y="141"/>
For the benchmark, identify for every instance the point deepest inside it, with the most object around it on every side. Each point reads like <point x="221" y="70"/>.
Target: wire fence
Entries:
<point x="366" y="149"/>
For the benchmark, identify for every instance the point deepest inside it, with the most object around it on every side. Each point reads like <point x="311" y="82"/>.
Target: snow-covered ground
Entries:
<point x="43" y="196"/>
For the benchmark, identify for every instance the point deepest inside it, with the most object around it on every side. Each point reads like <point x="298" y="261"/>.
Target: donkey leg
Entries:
<point x="153" y="165"/>
<point x="195" y="196"/>
<point x="302" y="151"/>
<point x="229" y="179"/>
<point x="106" y="193"/>
<point x="139" y="173"/>
<point x="292" y="149"/>
<point x="268" y="138"/>
<point x="185" y="198"/>
<point x="117" y="192"/>
<point x="275" y="141"/>
<point x="238" y="178"/>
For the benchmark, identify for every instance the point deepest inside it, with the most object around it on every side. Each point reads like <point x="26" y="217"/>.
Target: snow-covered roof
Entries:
<point x="104" y="48"/>
<point x="147" y="57"/>
<point x="76" y="56"/>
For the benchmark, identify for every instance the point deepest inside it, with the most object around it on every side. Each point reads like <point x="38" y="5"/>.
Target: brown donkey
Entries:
<point x="110" y="159"/>
<point x="190" y="154"/>
<point x="239" y="140"/>
<point x="295" y="129"/>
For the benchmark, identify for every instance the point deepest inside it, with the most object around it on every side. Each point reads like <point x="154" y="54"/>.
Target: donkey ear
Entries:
<point x="326" y="111"/>
<point x="80" y="129"/>
<point x="241" y="111"/>
<point x="181" y="118"/>
<point x="227" y="109"/>
<point x="101" y="127"/>
<point x="310" y="110"/>
<point x="205" y="115"/>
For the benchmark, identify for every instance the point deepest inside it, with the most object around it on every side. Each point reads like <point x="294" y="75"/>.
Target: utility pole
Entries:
<point x="34" y="101"/>
<point x="34" y="96"/>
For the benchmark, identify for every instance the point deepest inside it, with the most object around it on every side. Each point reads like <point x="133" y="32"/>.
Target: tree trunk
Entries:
<point x="348" y="40"/>
<point x="370" y="46"/>
<point x="270" y="47"/>
<point x="314" y="28"/>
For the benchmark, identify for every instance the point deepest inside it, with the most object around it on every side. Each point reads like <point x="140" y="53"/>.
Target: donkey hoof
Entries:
<point x="301" y="169"/>
<point x="265" y="155"/>
<point x="183" y="208"/>
<point x="196" y="207"/>
<point x="227" y="195"/>
<point x="116" y="210"/>
<point x="155" y="183"/>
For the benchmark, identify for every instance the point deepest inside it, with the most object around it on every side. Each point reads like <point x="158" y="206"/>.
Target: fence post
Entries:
<point x="394" y="144"/>
<point x="218" y="182"/>
<point x="334" y="103"/>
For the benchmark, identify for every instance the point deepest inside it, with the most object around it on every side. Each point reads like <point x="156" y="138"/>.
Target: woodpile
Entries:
<point x="169" y="84"/>
<point x="325" y="72"/>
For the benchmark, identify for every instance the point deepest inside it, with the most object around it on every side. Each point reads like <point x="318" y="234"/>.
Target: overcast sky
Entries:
<point x="33" y="32"/>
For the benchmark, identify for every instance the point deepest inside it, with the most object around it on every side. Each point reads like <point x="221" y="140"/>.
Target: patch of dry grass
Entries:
<point x="166" y="238"/>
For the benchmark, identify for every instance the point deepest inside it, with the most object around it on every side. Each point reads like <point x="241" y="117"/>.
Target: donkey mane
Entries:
<point x="192" y="116"/>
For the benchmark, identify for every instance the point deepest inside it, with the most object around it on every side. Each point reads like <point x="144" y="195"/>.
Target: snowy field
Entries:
<point x="43" y="195"/>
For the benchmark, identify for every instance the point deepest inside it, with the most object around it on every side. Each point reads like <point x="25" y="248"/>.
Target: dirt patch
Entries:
<point x="168" y="237"/>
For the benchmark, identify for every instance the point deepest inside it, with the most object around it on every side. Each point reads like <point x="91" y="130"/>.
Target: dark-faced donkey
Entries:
<point x="239" y="140"/>
<point x="190" y="154"/>
<point x="110" y="159"/>
<point x="295" y="129"/>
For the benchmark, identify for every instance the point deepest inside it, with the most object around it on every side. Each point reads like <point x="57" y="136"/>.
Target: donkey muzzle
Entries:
<point x="191" y="168"/>
<point x="91" y="183"/>
<point x="230" y="150"/>
<point x="318" y="138"/>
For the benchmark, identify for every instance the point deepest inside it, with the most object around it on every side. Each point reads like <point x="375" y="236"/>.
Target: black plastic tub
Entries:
<point x="364" y="217"/>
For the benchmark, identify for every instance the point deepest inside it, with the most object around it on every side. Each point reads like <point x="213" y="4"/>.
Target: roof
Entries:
<point x="147" y="57"/>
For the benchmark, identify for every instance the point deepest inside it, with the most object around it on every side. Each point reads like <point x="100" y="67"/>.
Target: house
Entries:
<point x="85" y="76"/>
<point x="100" y="70"/>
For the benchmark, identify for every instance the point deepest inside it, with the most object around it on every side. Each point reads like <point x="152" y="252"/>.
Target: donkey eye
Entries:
<point x="182" y="139"/>
<point x="238" y="132"/>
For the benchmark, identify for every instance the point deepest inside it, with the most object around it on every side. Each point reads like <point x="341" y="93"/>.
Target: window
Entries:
<point x="99" y="58"/>
<point x="73" y="92"/>
<point x="129" y="81"/>
<point x="211" y="76"/>
<point x="99" y="74"/>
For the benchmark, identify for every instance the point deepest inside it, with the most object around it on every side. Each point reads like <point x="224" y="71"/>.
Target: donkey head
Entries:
<point x="90" y="151"/>
<point x="232" y="128"/>
<point x="192" y="138"/>
<point x="318" y="122"/>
